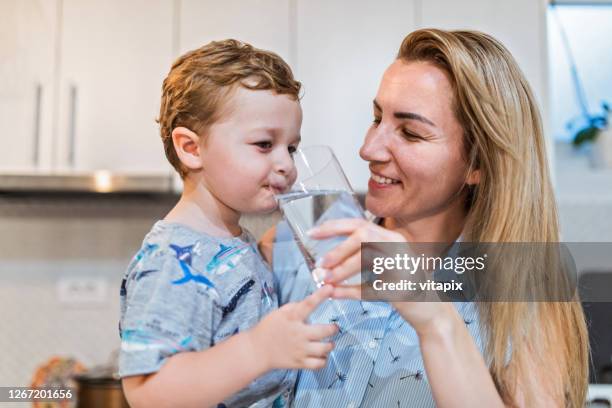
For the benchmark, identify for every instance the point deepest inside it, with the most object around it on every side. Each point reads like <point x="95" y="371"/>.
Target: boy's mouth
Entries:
<point x="276" y="189"/>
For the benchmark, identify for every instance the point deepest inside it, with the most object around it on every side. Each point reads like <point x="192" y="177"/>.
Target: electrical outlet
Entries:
<point x="82" y="290"/>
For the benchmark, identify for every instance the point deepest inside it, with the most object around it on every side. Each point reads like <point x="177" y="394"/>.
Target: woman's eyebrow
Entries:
<point x="406" y="115"/>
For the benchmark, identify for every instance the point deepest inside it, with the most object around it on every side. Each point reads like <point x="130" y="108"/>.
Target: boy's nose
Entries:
<point x="283" y="163"/>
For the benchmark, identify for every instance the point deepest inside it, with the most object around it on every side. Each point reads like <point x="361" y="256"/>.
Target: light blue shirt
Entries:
<point x="377" y="360"/>
<point x="187" y="291"/>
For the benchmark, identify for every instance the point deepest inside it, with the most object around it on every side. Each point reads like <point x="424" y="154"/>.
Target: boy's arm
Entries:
<point x="205" y="378"/>
<point x="197" y="379"/>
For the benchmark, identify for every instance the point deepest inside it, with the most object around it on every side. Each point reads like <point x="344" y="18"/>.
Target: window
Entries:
<point x="588" y="30"/>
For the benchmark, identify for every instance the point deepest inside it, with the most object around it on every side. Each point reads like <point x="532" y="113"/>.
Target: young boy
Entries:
<point x="200" y="324"/>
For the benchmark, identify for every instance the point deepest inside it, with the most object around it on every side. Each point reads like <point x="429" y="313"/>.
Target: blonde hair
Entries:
<point x="513" y="202"/>
<point x="200" y="83"/>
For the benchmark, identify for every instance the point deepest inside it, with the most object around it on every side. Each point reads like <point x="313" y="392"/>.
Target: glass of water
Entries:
<point x="321" y="193"/>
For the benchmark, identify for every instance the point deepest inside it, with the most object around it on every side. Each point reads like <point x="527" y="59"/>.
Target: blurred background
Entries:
<point x="82" y="170"/>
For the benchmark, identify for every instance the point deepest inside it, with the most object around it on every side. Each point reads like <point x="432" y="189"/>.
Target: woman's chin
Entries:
<point x="378" y="206"/>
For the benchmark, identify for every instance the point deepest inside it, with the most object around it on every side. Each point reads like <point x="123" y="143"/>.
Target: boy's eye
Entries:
<point x="292" y="149"/>
<point x="264" y="145"/>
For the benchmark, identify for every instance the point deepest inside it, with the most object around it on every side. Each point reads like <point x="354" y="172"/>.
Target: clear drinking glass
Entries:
<point x="321" y="193"/>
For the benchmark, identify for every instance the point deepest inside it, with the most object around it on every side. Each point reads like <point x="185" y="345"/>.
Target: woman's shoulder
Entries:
<point x="266" y="244"/>
<point x="278" y="244"/>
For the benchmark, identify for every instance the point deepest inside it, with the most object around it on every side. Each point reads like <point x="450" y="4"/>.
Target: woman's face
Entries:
<point x="415" y="145"/>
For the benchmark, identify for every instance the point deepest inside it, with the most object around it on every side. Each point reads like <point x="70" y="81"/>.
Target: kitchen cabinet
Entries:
<point x="114" y="57"/>
<point x="27" y="50"/>
<point x="81" y="84"/>
<point x="81" y="79"/>
<point x="520" y="25"/>
<point x="262" y="23"/>
<point x="343" y="48"/>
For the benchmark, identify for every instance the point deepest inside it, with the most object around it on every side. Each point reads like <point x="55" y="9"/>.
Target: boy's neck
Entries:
<point x="202" y="211"/>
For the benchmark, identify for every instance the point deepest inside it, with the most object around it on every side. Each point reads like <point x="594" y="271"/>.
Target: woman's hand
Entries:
<point x="344" y="261"/>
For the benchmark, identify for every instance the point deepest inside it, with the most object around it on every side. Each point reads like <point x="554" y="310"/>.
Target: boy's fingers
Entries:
<point x="319" y="349"/>
<point x="317" y="332"/>
<point x="347" y="292"/>
<point x="314" y="363"/>
<point x="308" y="305"/>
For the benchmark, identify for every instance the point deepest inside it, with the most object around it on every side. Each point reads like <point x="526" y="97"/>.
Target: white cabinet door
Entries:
<point x="27" y="63"/>
<point x="519" y="24"/>
<point x="262" y="23"/>
<point x="343" y="48"/>
<point x="114" y="57"/>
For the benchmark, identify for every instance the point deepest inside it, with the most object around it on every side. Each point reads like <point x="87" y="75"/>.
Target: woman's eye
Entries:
<point x="263" y="145"/>
<point x="376" y="121"/>
<point x="411" y="136"/>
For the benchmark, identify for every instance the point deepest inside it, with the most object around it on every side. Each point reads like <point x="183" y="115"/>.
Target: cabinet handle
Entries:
<point x="72" y="126"/>
<point x="36" y="136"/>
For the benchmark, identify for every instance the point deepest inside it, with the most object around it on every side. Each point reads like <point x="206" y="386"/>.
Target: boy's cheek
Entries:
<point x="292" y="178"/>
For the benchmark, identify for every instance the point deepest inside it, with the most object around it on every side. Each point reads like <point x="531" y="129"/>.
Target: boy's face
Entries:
<point x="247" y="154"/>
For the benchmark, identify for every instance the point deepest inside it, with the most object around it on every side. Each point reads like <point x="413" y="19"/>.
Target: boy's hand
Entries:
<point x="283" y="339"/>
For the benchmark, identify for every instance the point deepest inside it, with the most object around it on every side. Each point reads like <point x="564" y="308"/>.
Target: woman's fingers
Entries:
<point x="348" y="269"/>
<point x="343" y="226"/>
<point x="362" y="231"/>
<point x="343" y="250"/>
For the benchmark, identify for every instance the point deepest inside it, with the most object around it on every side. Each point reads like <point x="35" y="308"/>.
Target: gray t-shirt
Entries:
<point x="187" y="291"/>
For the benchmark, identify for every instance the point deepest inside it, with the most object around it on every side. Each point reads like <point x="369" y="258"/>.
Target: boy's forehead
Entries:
<point x="261" y="108"/>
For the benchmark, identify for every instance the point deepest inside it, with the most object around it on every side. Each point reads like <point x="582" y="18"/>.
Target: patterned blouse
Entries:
<point x="377" y="360"/>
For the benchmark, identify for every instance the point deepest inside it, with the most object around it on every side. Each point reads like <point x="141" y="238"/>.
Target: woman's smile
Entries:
<point x="379" y="182"/>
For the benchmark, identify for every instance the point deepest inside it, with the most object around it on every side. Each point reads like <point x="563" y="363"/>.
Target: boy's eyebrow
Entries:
<point x="406" y="115"/>
<point x="275" y="132"/>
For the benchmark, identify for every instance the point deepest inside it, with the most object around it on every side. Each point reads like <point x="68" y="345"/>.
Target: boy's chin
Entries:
<point x="264" y="208"/>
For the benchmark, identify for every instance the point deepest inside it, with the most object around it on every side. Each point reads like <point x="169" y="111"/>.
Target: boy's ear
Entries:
<point x="187" y="147"/>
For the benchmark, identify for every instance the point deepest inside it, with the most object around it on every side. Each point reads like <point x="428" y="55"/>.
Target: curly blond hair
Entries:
<point x="201" y="81"/>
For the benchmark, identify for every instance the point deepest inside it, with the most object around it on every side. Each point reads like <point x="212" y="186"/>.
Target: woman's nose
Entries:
<point x="375" y="146"/>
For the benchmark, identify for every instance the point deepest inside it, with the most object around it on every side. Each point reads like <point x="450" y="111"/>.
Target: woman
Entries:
<point x="456" y="150"/>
